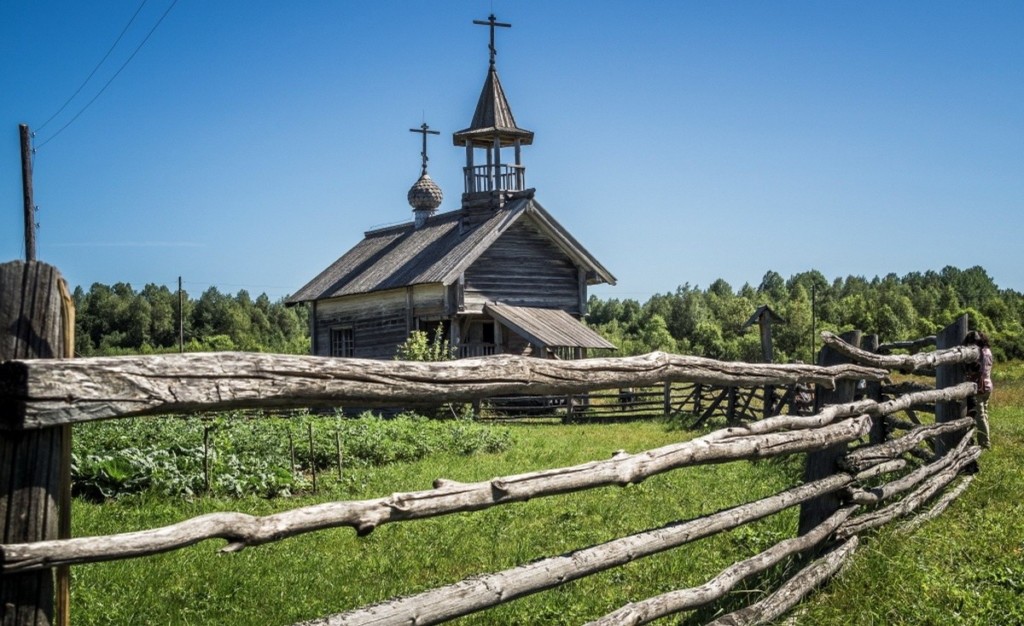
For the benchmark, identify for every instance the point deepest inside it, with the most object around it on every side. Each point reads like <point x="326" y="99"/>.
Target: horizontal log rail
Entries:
<point x="914" y="345"/>
<point x="940" y="505"/>
<point x="906" y="363"/>
<point x="793" y="590"/>
<point x="909" y="503"/>
<point x="884" y="492"/>
<point x="648" y="610"/>
<point x="242" y="530"/>
<point x="48" y="392"/>
<point x="862" y="458"/>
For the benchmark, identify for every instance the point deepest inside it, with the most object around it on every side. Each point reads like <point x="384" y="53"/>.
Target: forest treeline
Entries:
<point x="710" y="322"/>
<point x="119" y="320"/>
<point x="705" y="322"/>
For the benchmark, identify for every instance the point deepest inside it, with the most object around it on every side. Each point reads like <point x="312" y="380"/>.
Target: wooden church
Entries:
<point x="498" y="275"/>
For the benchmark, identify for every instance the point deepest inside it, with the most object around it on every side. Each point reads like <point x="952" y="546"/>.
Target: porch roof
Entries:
<point x="551" y="328"/>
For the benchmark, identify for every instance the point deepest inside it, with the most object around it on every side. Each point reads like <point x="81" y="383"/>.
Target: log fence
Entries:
<point x="857" y="484"/>
<point x="702" y="402"/>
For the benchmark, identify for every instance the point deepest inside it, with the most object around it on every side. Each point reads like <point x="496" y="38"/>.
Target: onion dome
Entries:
<point x="425" y="195"/>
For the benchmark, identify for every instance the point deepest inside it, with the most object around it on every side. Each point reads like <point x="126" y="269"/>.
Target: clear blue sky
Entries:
<point x="249" y="144"/>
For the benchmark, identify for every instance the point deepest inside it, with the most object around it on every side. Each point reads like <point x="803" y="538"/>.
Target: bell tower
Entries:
<point x="492" y="179"/>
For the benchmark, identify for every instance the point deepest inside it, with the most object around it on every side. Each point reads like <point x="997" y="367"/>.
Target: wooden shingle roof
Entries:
<point x="550" y="328"/>
<point x="438" y="252"/>
<point x="493" y="116"/>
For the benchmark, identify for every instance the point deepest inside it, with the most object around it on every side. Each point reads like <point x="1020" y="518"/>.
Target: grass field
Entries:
<point x="967" y="567"/>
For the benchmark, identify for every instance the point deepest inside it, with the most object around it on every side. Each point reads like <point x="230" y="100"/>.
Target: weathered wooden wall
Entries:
<point x="523" y="268"/>
<point x="380" y="322"/>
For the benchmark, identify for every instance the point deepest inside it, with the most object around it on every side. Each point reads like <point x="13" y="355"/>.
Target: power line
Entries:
<point x="95" y="69"/>
<point x="119" y="70"/>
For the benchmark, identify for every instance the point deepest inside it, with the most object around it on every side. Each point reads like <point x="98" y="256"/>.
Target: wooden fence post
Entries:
<point x="823" y="463"/>
<point x="36" y="321"/>
<point x="873" y="391"/>
<point x="948" y="376"/>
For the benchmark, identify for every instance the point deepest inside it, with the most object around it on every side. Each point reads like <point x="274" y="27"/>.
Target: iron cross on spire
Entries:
<point x="492" y="22"/>
<point x="424" y="130"/>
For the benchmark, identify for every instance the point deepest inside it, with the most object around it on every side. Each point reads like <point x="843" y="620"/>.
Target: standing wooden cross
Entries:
<point x="424" y="130"/>
<point x="491" y="21"/>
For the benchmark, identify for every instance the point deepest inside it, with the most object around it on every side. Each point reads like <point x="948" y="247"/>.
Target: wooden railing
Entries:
<point x="504" y="177"/>
<point x="864" y="483"/>
<point x="467" y="350"/>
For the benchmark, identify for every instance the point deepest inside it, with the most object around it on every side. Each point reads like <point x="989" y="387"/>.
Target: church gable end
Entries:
<point x="523" y="267"/>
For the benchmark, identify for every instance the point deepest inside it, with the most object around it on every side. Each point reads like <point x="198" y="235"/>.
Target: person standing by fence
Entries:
<point x="980" y="373"/>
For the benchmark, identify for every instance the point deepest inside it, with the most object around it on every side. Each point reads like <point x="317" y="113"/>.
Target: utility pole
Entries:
<point x="26" y="192"/>
<point x="181" y="318"/>
<point x="814" y="321"/>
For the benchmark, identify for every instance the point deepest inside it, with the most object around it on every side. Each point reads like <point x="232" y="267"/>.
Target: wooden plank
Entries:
<point x="34" y="311"/>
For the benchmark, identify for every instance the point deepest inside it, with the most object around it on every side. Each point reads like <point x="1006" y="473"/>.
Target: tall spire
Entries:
<point x="493" y="116"/>
<point x="493" y="128"/>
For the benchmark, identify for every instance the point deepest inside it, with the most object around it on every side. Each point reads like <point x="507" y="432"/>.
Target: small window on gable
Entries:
<point x="341" y="342"/>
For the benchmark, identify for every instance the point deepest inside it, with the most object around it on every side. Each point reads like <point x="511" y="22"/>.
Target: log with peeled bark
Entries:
<point x="874" y="495"/>
<point x="882" y="468"/>
<point x="46" y="392"/>
<point x="940" y="505"/>
<point x="792" y="591"/>
<point x="913" y="346"/>
<point x="481" y="592"/>
<point x="648" y="610"/>
<point x="907" y="386"/>
<point x="905" y="362"/>
<point x="862" y="458"/>
<point x="913" y="500"/>
<point x="849" y="409"/>
<point x="243" y="530"/>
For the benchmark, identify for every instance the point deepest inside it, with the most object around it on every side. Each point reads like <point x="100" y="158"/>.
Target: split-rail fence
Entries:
<point x="866" y="466"/>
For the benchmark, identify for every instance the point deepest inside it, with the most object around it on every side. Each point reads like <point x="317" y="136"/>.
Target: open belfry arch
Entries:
<point x="497" y="275"/>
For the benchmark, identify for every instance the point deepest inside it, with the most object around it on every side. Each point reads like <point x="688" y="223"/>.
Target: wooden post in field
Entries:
<point x="764" y="317"/>
<point x="37" y="321"/>
<point x="823" y="463"/>
<point x="312" y="459"/>
<point x="337" y="447"/>
<point x="948" y="376"/>
<point x="206" y="458"/>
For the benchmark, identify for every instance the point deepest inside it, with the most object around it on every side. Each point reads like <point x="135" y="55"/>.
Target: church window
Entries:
<point x="341" y="342"/>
